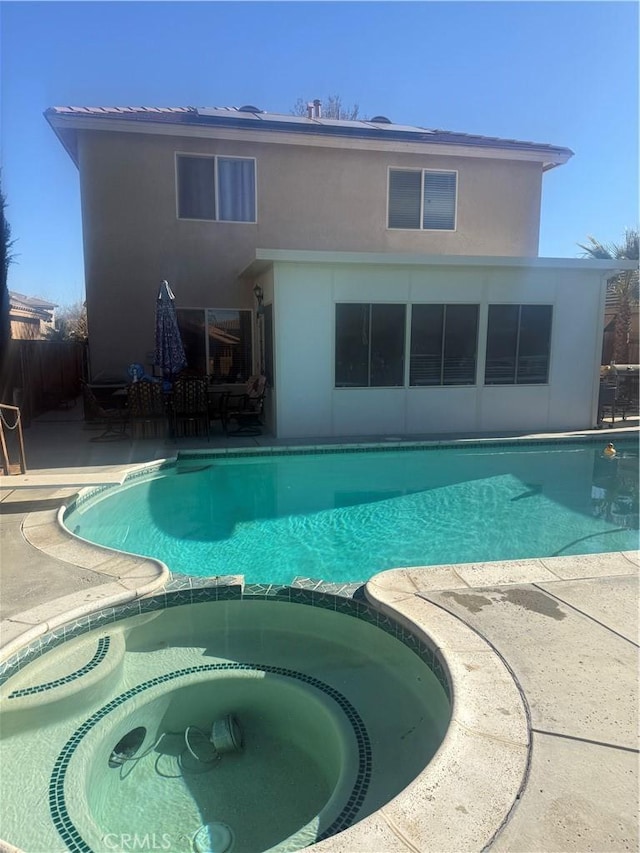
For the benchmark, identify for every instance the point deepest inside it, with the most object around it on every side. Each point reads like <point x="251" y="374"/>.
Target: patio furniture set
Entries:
<point x="144" y="409"/>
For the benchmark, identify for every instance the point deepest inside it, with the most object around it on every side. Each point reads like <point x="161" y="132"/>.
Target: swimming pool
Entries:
<point x="344" y="515"/>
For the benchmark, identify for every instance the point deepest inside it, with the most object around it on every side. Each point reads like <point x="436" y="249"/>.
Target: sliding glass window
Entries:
<point x="216" y="188"/>
<point x="369" y="345"/>
<point x="444" y="343"/>
<point x="518" y="345"/>
<point x="229" y="345"/>
<point x="422" y="199"/>
<point x="217" y="342"/>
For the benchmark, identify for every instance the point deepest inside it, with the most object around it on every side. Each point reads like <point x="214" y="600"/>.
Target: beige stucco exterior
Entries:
<point x="309" y="197"/>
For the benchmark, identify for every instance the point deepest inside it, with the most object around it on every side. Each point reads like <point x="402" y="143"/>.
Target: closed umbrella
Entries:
<point x="170" y="357"/>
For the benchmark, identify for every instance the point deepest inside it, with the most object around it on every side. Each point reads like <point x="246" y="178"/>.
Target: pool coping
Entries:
<point x="489" y="725"/>
<point x="467" y="793"/>
<point x="415" y="819"/>
<point x="129" y="577"/>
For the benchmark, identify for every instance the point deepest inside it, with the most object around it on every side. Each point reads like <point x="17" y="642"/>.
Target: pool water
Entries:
<point x="265" y="792"/>
<point x="344" y="516"/>
<point x="337" y="716"/>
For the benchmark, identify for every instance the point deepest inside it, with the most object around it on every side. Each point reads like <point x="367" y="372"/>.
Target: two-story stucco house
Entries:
<point x="397" y="272"/>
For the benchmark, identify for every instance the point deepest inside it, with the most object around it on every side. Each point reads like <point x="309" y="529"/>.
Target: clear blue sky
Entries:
<point x="563" y="73"/>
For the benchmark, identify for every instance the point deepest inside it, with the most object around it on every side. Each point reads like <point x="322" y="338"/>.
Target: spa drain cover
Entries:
<point x="215" y="837"/>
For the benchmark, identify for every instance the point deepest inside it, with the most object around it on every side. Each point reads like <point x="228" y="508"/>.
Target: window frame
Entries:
<point x="421" y="220"/>
<point x="443" y="344"/>
<point x="215" y="158"/>
<point x="369" y="386"/>
<point x="207" y="356"/>
<point x="519" y="305"/>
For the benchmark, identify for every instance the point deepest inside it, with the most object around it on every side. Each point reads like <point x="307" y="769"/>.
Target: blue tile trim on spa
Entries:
<point x="57" y="805"/>
<point x="98" y="657"/>
<point x="187" y="590"/>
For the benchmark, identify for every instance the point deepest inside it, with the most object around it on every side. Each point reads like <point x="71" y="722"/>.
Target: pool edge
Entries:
<point x="393" y="821"/>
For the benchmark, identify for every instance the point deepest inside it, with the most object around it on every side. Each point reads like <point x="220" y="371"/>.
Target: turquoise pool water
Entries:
<point x="343" y="516"/>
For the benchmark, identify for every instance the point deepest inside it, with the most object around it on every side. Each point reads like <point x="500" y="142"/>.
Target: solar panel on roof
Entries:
<point x="278" y="117"/>
<point x="403" y="128"/>
<point x="225" y="112"/>
<point x="336" y="122"/>
<point x="340" y="127"/>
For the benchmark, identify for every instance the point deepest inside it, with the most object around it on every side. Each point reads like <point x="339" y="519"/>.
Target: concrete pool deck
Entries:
<point x="566" y="628"/>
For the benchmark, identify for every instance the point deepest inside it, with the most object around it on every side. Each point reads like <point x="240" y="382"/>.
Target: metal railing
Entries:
<point x="10" y="420"/>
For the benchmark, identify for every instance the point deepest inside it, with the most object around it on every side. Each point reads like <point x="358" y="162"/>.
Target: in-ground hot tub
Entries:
<point x="334" y="717"/>
<point x="301" y="753"/>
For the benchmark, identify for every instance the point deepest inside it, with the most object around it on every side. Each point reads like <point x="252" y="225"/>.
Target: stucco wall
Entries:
<point x="309" y="405"/>
<point x="308" y="198"/>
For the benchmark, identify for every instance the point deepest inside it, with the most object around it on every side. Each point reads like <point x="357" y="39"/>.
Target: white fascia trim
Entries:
<point x="408" y="259"/>
<point x="75" y="122"/>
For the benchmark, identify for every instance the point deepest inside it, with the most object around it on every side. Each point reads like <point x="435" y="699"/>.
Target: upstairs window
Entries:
<point x="518" y="345"/>
<point x="444" y="341"/>
<point x="370" y="345"/>
<point x="422" y="199"/>
<point x="216" y="188"/>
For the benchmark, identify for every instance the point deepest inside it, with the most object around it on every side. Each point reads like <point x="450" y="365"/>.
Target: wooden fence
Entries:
<point x="38" y="376"/>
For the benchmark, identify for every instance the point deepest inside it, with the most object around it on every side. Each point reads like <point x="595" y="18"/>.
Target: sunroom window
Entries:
<point x="369" y="345"/>
<point x="518" y="345"/>
<point x="443" y="344"/>
<point x="216" y="188"/>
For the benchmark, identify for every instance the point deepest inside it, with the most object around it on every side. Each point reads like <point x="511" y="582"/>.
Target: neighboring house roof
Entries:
<point x="66" y="121"/>
<point x="32" y="304"/>
<point x="30" y="316"/>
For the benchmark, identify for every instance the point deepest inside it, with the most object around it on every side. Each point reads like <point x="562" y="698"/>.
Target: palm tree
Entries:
<point x="623" y="285"/>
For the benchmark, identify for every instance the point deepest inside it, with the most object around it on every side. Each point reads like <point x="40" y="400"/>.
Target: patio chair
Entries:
<point x="113" y="420"/>
<point x="147" y="409"/>
<point x="611" y="401"/>
<point x="245" y="409"/>
<point x="190" y="407"/>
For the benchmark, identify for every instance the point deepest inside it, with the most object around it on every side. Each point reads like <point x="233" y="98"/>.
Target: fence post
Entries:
<point x="17" y="425"/>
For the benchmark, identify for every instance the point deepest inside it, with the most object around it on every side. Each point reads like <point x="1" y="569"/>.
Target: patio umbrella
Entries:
<point x="170" y="357"/>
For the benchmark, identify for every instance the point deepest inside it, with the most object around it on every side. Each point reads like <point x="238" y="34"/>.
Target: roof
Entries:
<point x="264" y="258"/>
<point x="32" y="303"/>
<point x="66" y="120"/>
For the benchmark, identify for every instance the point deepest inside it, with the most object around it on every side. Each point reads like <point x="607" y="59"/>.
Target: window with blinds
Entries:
<point x="518" y="345"/>
<point x="216" y="188"/>
<point x="422" y="199"/>
<point x="369" y="345"/>
<point x="444" y="340"/>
